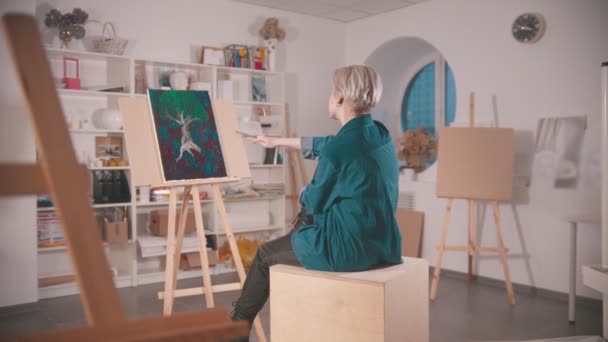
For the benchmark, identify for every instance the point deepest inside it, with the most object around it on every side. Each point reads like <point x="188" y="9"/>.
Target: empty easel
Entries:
<point x="295" y="162"/>
<point x="475" y="164"/>
<point x="58" y="174"/>
<point x="147" y="170"/>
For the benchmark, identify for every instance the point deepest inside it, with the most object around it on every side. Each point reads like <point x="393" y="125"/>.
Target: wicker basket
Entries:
<point x="108" y="42"/>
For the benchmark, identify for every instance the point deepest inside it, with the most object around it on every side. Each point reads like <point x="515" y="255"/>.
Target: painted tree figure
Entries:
<point x="173" y="105"/>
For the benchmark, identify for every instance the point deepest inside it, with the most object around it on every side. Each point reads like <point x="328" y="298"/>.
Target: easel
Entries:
<point x="295" y="161"/>
<point x="59" y="174"/>
<point x="472" y="245"/>
<point x="146" y="170"/>
<point x="174" y="248"/>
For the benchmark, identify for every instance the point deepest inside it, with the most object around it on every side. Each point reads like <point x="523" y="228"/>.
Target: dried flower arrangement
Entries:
<point x="70" y="24"/>
<point x="271" y="29"/>
<point x="416" y="146"/>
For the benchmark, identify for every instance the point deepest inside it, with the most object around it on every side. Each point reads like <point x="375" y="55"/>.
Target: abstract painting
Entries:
<point x="186" y="133"/>
<point x="558" y="151"/>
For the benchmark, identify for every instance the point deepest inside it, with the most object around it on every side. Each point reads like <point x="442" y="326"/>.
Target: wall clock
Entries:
<point x="528" y="27"/>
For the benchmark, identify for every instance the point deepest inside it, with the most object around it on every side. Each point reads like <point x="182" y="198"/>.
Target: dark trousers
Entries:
<point x="257" y="286"/>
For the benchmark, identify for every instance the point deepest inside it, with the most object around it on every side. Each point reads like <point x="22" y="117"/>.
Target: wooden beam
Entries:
<point x="22" y="179"/>
<point x="66" y="184"/>
<point x="193" y="291"/>
<point x="208" y="325"/>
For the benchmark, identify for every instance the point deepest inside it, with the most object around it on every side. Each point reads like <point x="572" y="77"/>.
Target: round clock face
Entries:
<point x="528" y="27"/>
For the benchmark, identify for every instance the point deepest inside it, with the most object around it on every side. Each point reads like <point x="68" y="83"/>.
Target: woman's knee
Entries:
<point x="264" y="252"/>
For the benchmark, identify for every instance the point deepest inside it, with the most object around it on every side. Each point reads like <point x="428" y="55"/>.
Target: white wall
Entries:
<point x="18" y="263"/>
<point x="558" y="76"/>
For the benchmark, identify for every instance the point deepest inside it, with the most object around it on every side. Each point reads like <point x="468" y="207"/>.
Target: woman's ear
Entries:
<point x="340" y="100"/>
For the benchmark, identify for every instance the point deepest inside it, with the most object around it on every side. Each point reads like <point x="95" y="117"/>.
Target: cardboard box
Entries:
<point x="190" y="261"/>
<point x="159" y="221"/>
<point x="115" y="232"/>
<point x="411" y="224"/>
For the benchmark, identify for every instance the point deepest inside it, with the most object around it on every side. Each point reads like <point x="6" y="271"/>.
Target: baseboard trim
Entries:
<point x="518" y="288"/>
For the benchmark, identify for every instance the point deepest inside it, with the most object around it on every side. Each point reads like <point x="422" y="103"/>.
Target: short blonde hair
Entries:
<point x="359" y="85"/>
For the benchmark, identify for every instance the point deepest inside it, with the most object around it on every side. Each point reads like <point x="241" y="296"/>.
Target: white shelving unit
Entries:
<point x="101" y="71"/>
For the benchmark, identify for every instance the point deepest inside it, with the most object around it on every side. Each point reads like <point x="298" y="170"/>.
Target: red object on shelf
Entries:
<point x="71" y="82"/>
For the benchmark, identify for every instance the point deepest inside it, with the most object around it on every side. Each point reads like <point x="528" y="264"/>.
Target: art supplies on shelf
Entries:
<point x="50" y="233"/>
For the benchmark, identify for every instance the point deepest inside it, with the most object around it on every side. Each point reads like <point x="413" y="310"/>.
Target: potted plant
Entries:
<point x="416" y="146"/>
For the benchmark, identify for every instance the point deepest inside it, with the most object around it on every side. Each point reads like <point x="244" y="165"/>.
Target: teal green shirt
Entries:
<point x="353" y="198"/>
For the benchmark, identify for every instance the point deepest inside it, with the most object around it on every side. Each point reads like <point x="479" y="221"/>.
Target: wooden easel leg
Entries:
<point x="471" y="249"/>
<point x="170" y="258"/>
<point x="179" y="238"/>
<point x="303" y="175"/>
<point x="294" y="186"/>
<point x="444" y="232"/>
<point x="202" y="246"/>
<point x="219" y="201"/>
<point x="503" y="253"/>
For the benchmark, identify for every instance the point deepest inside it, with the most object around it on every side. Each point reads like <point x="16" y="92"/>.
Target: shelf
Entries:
<point x="72" y="288"/>
<point x="112" y="205"/>
<point x="173" y="64"/>
<point x="249" y="199"/>
<point x="208" y="201"/>
<point x="153" y="246"/>
<point x="247" y="71"/>
<point x="266" y="166"/>
<point x="250" y="230"/>
<point x="90" y="93"/>
<point x="97" y="131"/>
<point x="52" y="249"/>
<point x="109" y="168"/>
<point x="141" y="95"/>
<point x="166" y="204"/>
<point x="96" y="206"/>
<point x="83" y="53"/>
<point x="159" y="276"/>
<point x="258" y="103"/>
<point x="65" y="248"/>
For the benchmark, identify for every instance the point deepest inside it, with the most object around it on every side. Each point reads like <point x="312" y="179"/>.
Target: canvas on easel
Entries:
<point x="475" y="164"/>
<point x="183" y="139"/>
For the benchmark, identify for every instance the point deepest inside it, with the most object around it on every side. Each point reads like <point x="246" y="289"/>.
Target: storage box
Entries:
<point x="190" y="261"/>
<point x="159" y="221"/>
<point x="385" y="304"/>
<point x="115" y="232"/>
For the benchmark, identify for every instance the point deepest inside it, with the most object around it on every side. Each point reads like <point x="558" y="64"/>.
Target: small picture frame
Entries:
<point x="212" y="56"/>
<point x="108" y="148"/>
<point x="258" y="89"/>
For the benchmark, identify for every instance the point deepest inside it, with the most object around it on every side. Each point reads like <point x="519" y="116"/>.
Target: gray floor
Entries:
<point x="478" y="312"/>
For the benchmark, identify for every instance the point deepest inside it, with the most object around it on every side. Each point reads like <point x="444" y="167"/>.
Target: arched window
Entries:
<point x="422" y="96"/>
<point x="430" y="98"/>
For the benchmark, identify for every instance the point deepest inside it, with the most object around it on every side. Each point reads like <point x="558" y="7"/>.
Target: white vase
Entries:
<point x="105" y="118"/>
<point x="271" y="53"/>
<point x="179" y="80"/>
